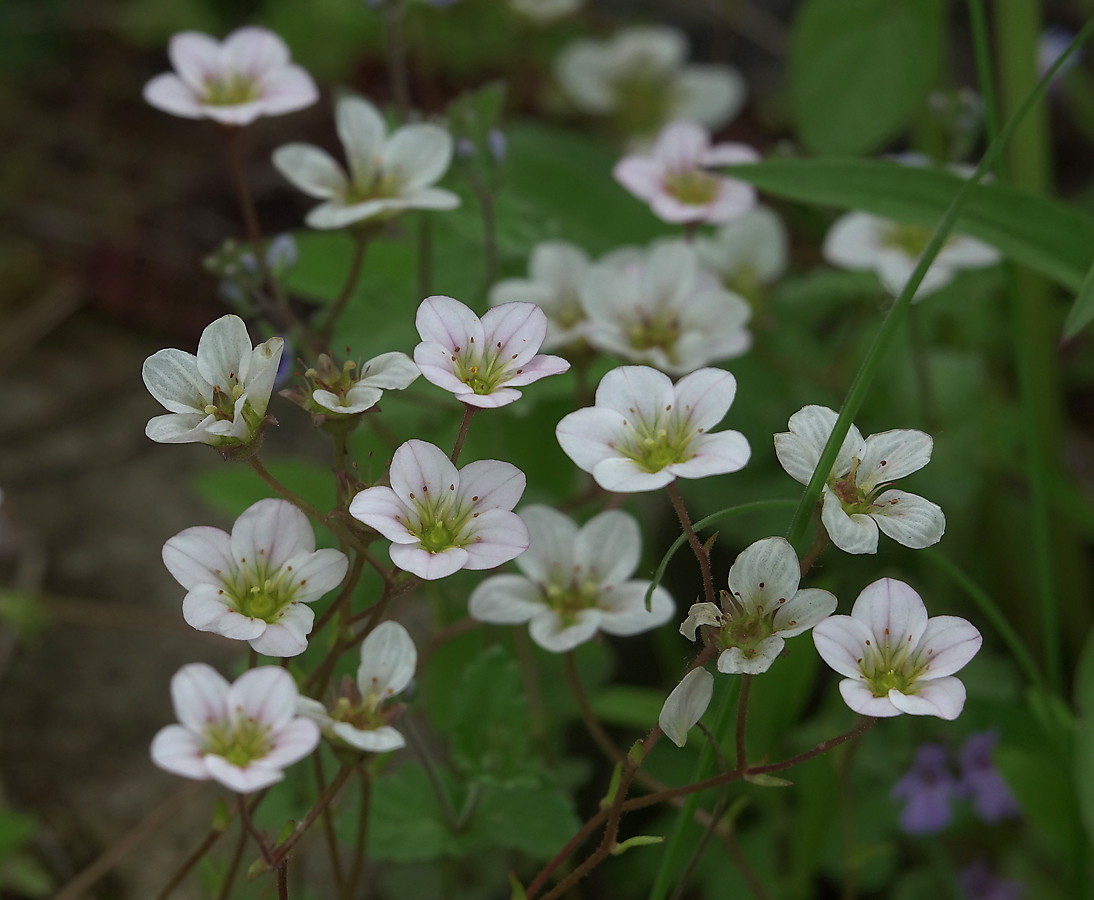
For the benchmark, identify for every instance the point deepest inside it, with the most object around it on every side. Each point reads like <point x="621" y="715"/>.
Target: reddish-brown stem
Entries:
<point x="283" y="881"/>
<point x="362" y="833"/>
<point x="559" y="858"/>
<point x="249" y="828"/>
<point x="360" y="243"/>
<point x="328" y="827"/>
<point x="468" y="414"/>
<point x="282" y="852"/>
<point x="693" y="539"/>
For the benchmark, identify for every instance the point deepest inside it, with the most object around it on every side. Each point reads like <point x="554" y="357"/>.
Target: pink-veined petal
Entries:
<point x="292" y="743"/>
<point x="198" y="693"/>
<point x="841" y="643"/>
<point x="379" y="507"/>
<point x="418" y="468"/>
<point x="207" y="608"/>
<point x="267" y="694"/>
<point x="492" y="484"/>
<point x="430" y="566"/>
<point x="855" y="533"/>
<point x="858" y="696"/>
<point x="199" y="555"/>
<point x="944" y="698"/>
<point x="388" y="661"/>
<point x="288" y="634"/>
<point x="269" y="533"/>
<point x="909" y="519"/>
<point x="714" y="454"/>
<point x="893" y="612"/>
<point x="500" y="536"/>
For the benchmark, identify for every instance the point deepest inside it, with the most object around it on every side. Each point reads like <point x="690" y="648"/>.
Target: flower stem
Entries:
<point x="353" y="276"/>
<point x="864" y="379"/>
<point x="362" y="833"/>
<point x="397" y="71"/>
<point x="468" y="414"/>
<point x="283" y="881"/>
<point x="820" y="541"/>
<point x="328" y="827"/>
<point x="282" y="852"/>
<point x="696" y="546"/>
<point x="742" y="721"/>
<point x="233" y="866"/>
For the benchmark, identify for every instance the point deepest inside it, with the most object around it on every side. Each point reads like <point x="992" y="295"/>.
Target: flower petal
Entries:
<point x="944" y="698"/>
<point x="756" y="661"/>
<point x="536" y="368"/>
<point x="242" y="781"/>
<point x="288" y="635"/>
<point x="288" y="90"/>
<point x="893" y="612"/>
<point x="224" y="352"/>
<point x="891" y="455"/>
<point x="505" y="600"/>
<point x="199" y="555"/>
<point x="492" y="484"/>
<point x="388" y="661"/>
<point x="254" y="52"/>
<point x="199" y="694"/>
<point x="714" y="454"/>
<point x="266" y="694"/>
<point x="195" y="57"/>
<point x="314" y="574"/>
<point x="269" y="533"/>
<point x="514" y="331"/>
<point x="946" y="646"/>
<point x="206" y="608"/>
<point x="607" y="548"/>
<point x="170" y="94"/>
<point x="862" y="700"/>
<point x="854" y="241"/>
<point x="419" y="153"/>
<point x="681" y="144"/>
<point x="374" y="740"/>
<point x="446" y="321"/>
<point x="700" y="614"/>
<point x="547" y="630"/>
<point x="551" y="537"/>
<point x="765" y="575"/>
<point x="587" y="435"/>
<point x="389" y="371"/>
<point x="500" y="536"/>
<point x="851" y="533"/>
<point x="841" y="642"/>
<point x="703" y="398"/>
<point x="362" y="130"/>
<point x="311" y="170"/>
<point x="638" y="393"/>
<point x="292" y="743"/>
<point x="178" y="751"/>
<point x="379" y="507"/>
<point x="625" y="476"/>
<point x="417" y="467"/>
<point x="430" y="566"/>
<point x="803" y="611"/>
<point x="640" y="175"/>
<point x="623" y="608"/>
<point x="909" y="519"/>
<point x="710" y="94"/>
<point x="799" y="450"/>
<point x="172" y="377"/>
<point x="685" y="706"/>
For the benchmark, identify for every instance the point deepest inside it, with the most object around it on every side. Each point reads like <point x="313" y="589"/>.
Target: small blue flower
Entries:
<point x="980" y="780"/>
<point x="978" y="882"/>
<point x="498" y="145"/>
<point x="281" y="254"/>
<point x="465" y="148"/>
<point x="926" y="789"/>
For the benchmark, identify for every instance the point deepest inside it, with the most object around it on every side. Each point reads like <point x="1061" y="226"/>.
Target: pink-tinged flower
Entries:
<point x="685" y="706"/>
<point x="234" y="82"/>
<point x="644" y="432"/>
<point x="555" y="272"/>
<point x="242" y="734"/>
<point x="676" y="181"/>
<point x="762" y="609"/>
<point x="339" y="393"/>
<point x="927" y="790"/>
<point x="254" y="584"/>
<point x="657" y="307"/>
<point x="857" y="498"/>
<point x="893" y="658"/>
<point x="441" y="520"/>
<point x="362" y="716"/>
<point x="576" y="581"/>
<point x="483" y="361"/>
<point x="218" y="397"/>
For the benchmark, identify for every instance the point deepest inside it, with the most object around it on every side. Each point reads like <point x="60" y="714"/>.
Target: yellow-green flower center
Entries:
<point x="644" y="99"/>
<point x="570" y="599"/>
<point x="656" y="331"/>
<point x="230" y="90"/>
<point x="887" y="667"/>
<point x="910" y="239"/>
<point x="442" y="521"/>
<point x="692" y="186"/>
<point x="241" y="743"/>
<point x="482" y="371"/>
<point x="254" y="595"/>
<point x="382" y="186"/>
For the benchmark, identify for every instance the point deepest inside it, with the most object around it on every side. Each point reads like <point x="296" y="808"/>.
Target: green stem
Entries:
<point x="353" y="276"/>
<point x="877" y="353"/>
<point x="233" y="866"/>
<point x="982" y="50"/>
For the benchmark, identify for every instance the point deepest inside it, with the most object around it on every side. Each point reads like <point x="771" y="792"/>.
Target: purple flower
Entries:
<point x="979" y="883"/>
<point x="926" y="789"/>
<point x="498" y="145"/>
<point x="980" y="780"/>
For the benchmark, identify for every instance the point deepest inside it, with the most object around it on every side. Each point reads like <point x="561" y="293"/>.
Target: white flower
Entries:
<point x="555" y="272"/>
<point x="253" y="585"/>
<point x="362" y="714"/>
<point x="747" y="253"/>
<point x="658" y="307"/>
<point x="351" y="390"/>
<point x="576" y="582"/>
<point x="893" y="658"/>
<point x="686" y="704"/>
<point x="861" y="241"/>
<point x="387" y="174"/>
<point x="762" y="609"/>
<point x="544" y="11"/>
<point x="218" y="397"/>
<point x="855" y="500"/>
<point x="483" y="361"/>
<point x="441" y="520"/>
<point x="673" y="178"/>
<point x="640" y="79"/>
<point x="644" y="432"/>
<point x="241" y="734"/>
<point x="235" y="82"/>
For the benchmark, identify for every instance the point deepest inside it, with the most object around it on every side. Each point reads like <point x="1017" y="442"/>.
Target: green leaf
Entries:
<point x="639" y="840"/>
<point x="232" y="488"/>
<point x="1082" y="310"/>
<point x="15" y="830"/>
<point x="1052" y="237"/>
<point x="859" y="70"/>
<point x="533" y="821"/>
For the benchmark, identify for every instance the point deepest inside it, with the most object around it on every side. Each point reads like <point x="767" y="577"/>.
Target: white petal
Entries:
<point x="536" y="368"/>
<point x="608" y="547"/>
<point x="710" y="94"/>
<point x="852" y="534"/>
<point x="198" y="693"/>
<point x="640" y="175"/>
<point x="269" y="533"/>
<point x="420" y="154"/>
<point x="861" y="699"/>
<point x="638" y="393"/>
<point x="700" y="614"/>
<point x="379" y="507"/>
<point x="206" y="608"/>
<point x="558" y="264"/>
<point x="288" y="634"/>
<point x="494" y="400"/>
<point x="685" y="706"/>
<point x="909" y="519"/>
<point x="799" y="450"/>
<point x="893" y="612"/>
<point x="311" y="170"/>
<point x="375" y="740"/>
<point x="172" y="377"/>
<point x="581" y="69"/>
<point x="550" y="554"/>
<point x="199" y="555"/>
<point x="757" y="243"/>
<point x="178" y="751"/>
<point x="261" y="375"/>
<point x="944" y="698"/>
<point x="514" y="331"/>
<point x="505" y="600"/>
<point x="266" y="694"/>
<point x="430" y="566"/>
<point x="547" y="630"/>
<point x="586" y="435"/>
<point x="362" y="130"/>
<point x="854" y="241"/>
<point x="714" y="454"/>
<point x="426" y="198"/>
<point x="756" y="661"/>
<point x="418" y="467"/>
<point x="623" y="608"/>
<point x="841" y="642"/>
<point x="314" y="710"/>
<point x="703" y="398"/>
<point x="500" y="536"/>
<point x="358" y="398"/>
<point x="337" y="214"/>
<point x="495" y="484"/>
<point x="625" y="476"/>
<point x="242" y="781"/>
<point x="446" y="321"/>
<point x="963" y="252"/>
<point x="388" y="661"/>
<point x="170" y="94"/>
<point x="765" y="575"/>
<point x="287" y="90"/>
<point x="389" y="371"/>
<point x="316" y="573"/>
<point x="224" y="352"/>
<point x="891" y="455"/>
<point x="946" y="646"/>
<point x="292" y="743"/>
<point x="254" y="52"/>
<point x="803" y="611"/>
<point x="681" y="144"/>
<point x="195" y="57"/>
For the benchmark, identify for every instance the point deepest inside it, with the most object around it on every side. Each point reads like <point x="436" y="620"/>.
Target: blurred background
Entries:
<point x="109" y="208"/>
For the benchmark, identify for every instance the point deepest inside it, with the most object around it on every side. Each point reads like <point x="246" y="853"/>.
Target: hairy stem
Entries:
<point x="693" y="538"/>
<point x="468" y="414"/>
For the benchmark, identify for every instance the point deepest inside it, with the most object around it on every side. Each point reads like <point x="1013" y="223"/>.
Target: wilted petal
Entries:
<point x="685" y="706"/>
<point x="851" y="533"/>
<point x="700" y="614"/>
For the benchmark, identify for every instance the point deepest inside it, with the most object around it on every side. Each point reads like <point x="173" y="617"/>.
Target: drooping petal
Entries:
<point x="170" y="94"/>
<point x="754" y="661"/>
<point x="505" y="600"/>
<point x="709" y="94"/>
<point x="803" y="611"/>
<point x="292" y="743"/>
<point x="947" y="644"/>
<point x="198" y="693"/>
<point x="361" y="130"/>
<point x="841" y="642"/>
<point x="314" y="574"/>
<point x="242" y="781"/>
<point x="909" y="519"/>
<point x="430" y="566"/>
<point x="388" y="661"/>
<point x="714" y="454"/>
<point x="288" y="634"/>
<point x="266" y="694"/>
<point x="587" y="435"/>
<point x="199" y="555"/>
<point x="311" y="170"/>
<point x="178" y="751"/>
<point x="206" y="608"/>
<point x="500" y="536"/>
<point x="379" y="507"/>
<point x="389" y="371"/>
<point x="419" y="153"/>
<point x="858" y="696"/>
<point x="418" y="467"/>
<point x="608" y="548"/>
<point x="893" y="612"/>
<point x="944" y="697"/>
<point x="855" y="533"/>
<point x="551" y="537"/>
<point x="891" y="455"/>
<point x="700" y="614"/>
<point x="492" y="484"/>
<point x="269" y="533"/>
<point x="374" y="740"/>
<point x="765" y="575"/>
<point x="685" y="706"/>
<point x="548" y="630"/>
<point x="623" y="608"/>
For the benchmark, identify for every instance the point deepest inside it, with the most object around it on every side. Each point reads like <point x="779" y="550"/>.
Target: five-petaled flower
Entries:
<point x="234" y="82"/>
<point x="657" y="307"/>
<point x="387" y="174"/>
<point x="686" y="704"/>
<point x="762" y="608"/>
<point x="483" y="361"/>
<point x="254" y="584"/>
<point x="362" y="715"/>
<point x="339" y="393"/>
<point x="674" y="178"/>
<point x="576" y="581"/>
<point x="441" y="520"/>
<point x="639" y="79"/>
<point x="242" y="734"/>
<point x="861" y="241"/>
<point x="927" y="790"/>
<point x="555" y="272"/>
<point x="893" y="658"/>
<point x="857" y="499"/>
<point x="644" y="432"/>
<point x="218" y="397"/>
